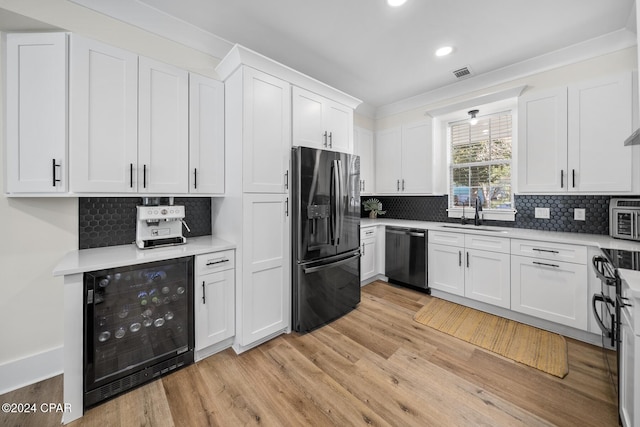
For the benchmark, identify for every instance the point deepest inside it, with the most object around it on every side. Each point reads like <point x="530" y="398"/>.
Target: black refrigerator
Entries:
<point x="325" y="236"/>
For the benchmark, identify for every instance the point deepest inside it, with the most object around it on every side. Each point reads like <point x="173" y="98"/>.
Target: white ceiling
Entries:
<point x="382" y="54"/>
<point x="372" y="51"/>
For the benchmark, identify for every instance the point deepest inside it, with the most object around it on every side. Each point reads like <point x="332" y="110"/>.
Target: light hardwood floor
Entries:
<point x="373" y="366"/>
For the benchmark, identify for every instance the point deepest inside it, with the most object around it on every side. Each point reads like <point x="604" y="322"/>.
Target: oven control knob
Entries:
<point x="163" y="211"/>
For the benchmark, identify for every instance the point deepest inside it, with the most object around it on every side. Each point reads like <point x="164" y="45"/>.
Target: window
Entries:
<point x="480" y="163"/>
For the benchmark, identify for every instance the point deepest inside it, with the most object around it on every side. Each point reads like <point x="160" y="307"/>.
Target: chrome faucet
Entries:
<point x="477" y="220"/>
<point x="463" y="219"/>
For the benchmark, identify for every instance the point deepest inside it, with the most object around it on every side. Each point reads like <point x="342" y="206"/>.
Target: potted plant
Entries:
<point x="374" y="207"/>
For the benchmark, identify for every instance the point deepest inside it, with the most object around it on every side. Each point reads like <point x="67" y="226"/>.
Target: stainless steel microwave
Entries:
<point x="624" y="218"/>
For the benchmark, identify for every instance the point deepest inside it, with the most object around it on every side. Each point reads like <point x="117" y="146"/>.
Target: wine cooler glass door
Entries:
<point x="136" y="317"/>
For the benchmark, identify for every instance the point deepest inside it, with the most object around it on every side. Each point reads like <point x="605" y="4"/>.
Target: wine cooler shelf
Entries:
<point x="136" y="317"/>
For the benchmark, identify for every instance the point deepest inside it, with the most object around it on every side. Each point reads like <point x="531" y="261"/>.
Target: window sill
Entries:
<point x="487" y="214"/>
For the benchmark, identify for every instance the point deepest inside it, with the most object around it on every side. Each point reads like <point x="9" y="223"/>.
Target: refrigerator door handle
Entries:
<point x="317" y="268"/>
<point x="335" y="209"/>
<point x="340" y="200"/>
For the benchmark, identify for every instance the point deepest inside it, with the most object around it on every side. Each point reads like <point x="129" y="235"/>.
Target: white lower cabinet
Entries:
<point x="368" y="253"/>
<point x="473" y="266"/>
<point x="446" y="272"/>
<point x="265" y="295"/>
<point x="214" y="306"/>
<point x="550" y="289"/>
<point x="487" y="277"/>
<point x="629" y="347"/>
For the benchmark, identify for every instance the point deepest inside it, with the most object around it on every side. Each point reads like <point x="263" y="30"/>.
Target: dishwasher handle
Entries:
<point x="406" y="231"/>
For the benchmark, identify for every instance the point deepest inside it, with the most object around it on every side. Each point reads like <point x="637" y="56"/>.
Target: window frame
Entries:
<point x="505" y="214"/>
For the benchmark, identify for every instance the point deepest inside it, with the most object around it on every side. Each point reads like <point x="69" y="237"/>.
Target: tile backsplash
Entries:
<point x="111" y="221"/>
<point x="434" y="208"/>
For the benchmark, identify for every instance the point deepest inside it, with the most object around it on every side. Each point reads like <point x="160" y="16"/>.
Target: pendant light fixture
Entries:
<point x="472" y="117"/>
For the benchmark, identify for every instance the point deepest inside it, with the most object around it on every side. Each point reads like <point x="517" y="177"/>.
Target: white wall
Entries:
<point x="37" y="232"/>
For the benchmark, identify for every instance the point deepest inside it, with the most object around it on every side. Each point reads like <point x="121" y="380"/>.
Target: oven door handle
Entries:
<point x="606" y="331"/>
<point x="597" y="262"/>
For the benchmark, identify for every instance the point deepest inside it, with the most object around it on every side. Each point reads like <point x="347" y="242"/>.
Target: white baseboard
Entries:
<point x="31" y="369"/>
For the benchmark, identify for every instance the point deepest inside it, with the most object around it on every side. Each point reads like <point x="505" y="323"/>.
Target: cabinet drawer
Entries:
<point x="550" y="251"/>
<point x="487" y="243"/>
<point x="368" y="232"/>
<point x="216" y="261"/>
<point x="446" y="238"/>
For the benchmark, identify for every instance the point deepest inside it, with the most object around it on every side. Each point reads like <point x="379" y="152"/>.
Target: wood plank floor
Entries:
<point x="373" y="366"/>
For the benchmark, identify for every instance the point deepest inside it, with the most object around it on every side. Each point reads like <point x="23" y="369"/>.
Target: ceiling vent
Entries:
<point x="463" y="72"/>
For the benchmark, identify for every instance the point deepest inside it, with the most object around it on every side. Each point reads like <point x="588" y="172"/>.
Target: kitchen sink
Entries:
<point x="474" y="227"/>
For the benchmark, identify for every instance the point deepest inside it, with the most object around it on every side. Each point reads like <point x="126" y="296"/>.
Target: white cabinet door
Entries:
<point x="206" y="135"/>
<point x="266" y="132"/>
<point x="388" y="154"/>
<point x="214" y="308"/>
<point x="163" y="128"/>
<point x="363" y="147"/>
<point x="36" y="113"/>
<point x="551" y="290"/>
<point x="308" y="124"/>
<point x="600" y="114"/>
<point x="265" y="298"/>
<point x="368" y="259"/>
<point x="340" y="127"/>
<point x="103" y="141"/>
<point x="629" y="374"/>
<point x="446" y="268"/>
<point x="417" y="159"/>
<point x="319" y="122"/>
<point x="542" y="141"/>
<point x="487" y="277"/>
<point x="368" y="254"/>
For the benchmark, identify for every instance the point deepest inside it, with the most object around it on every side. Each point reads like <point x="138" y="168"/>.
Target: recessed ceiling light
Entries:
<point x="396" y="3"/>
<point x="444" y="51"/>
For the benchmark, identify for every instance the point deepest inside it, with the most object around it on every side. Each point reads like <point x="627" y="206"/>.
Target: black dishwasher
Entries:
<point x="406" y="257"/>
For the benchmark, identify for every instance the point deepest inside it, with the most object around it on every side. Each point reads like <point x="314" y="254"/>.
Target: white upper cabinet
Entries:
<point x="542" y="141"/>
<point x="319" y="122"/>
<point x="600" y="118"/>
<point x="163" y="128"/>
<point x="206" y="135"/>
<point x="571" y="138"/>
<point x="266" y="132"/>
<point x="36" y="112"/>
<point x="103" y="142"/>
<point x="404" y="159"/>
<point x="363" y="147"/>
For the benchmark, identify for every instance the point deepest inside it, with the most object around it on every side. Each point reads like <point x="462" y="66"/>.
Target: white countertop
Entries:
<point x="632" y="277"/>
<point x="597" y="240"/>
<point x="83" y="260"/>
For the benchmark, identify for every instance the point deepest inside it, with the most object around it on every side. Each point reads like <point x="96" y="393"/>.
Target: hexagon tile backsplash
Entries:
<point x="111" y="221"/>
<point x="434" y="208"/>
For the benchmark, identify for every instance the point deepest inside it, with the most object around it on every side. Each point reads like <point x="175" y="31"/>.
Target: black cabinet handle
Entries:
<point x="459" y="258"/>
<point x="546" y="265"/>
<point x="53" y="172"/>
<point x="130" y="175"/>
<point x="144" y="176"/>
<point x="330" y="139"/>
<point x="573" y="178"/>
<point x="467" y="259"/>
<point x="218" y="261"/>
<point x="545" y="250"/>
<point x="195" y="177"/>
<point x="204" y="301"/>
<point x="561" y="178"/>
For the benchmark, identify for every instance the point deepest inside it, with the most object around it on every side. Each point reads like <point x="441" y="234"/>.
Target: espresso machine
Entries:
<point x="160" y="225"/>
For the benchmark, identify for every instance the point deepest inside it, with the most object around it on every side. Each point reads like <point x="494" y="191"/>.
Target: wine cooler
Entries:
<point x="138" y="325"/>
